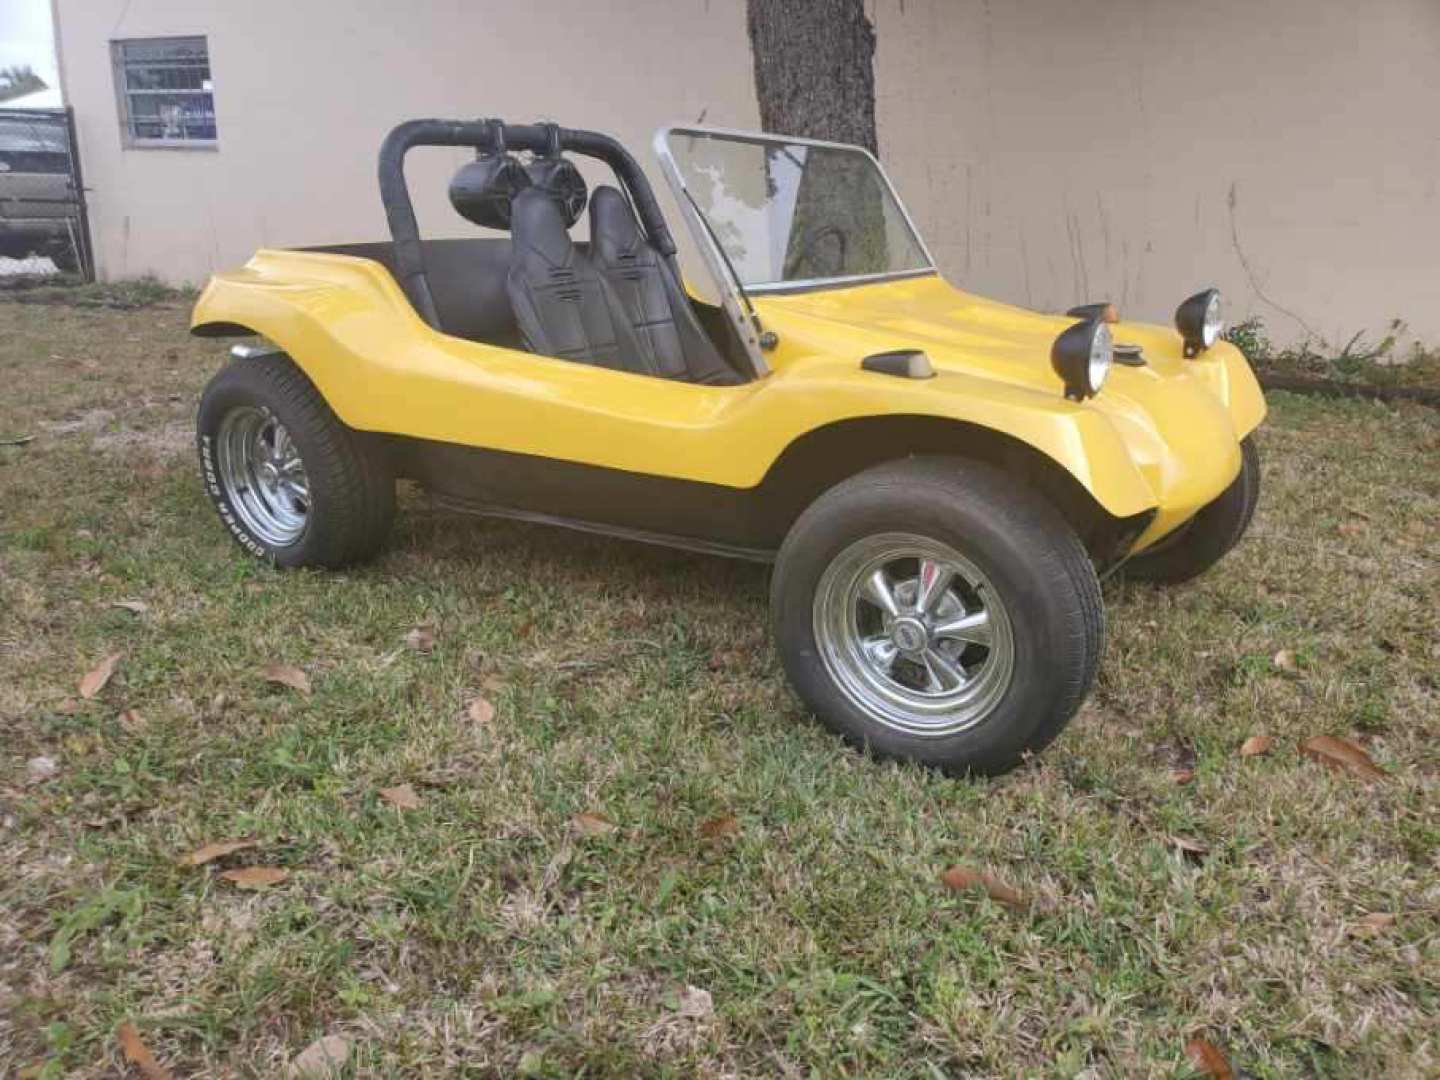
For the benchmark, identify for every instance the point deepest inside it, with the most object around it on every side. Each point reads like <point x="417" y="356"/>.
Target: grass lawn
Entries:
<point x="648" y="861"/>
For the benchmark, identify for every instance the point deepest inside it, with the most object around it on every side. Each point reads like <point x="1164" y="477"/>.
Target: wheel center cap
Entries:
<point x="909" y="634"/>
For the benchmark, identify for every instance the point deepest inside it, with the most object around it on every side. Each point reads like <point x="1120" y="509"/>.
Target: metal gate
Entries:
<point x="43" y="224"/>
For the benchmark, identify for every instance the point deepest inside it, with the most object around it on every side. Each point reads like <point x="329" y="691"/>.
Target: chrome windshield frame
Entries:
<point x="727" y="285"/>
<point x="716" y="261"/>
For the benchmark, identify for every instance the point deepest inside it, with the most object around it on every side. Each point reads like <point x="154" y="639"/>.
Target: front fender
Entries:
<point x="1082" y="441"/>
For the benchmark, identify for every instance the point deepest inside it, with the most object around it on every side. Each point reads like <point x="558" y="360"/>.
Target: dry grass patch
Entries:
<point x="1174" y="887"/>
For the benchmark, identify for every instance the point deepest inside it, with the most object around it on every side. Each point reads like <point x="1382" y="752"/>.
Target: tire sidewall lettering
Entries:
<point x="222" y="503"/>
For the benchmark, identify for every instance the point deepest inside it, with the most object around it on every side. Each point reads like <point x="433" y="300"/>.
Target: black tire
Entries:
<point x="1034" y="562"/>
<point x="1207" y="537"/>
<point x="351" y="492"/>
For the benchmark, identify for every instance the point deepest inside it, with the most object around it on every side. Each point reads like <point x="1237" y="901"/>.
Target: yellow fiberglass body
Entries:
<point x="1163" y="437"/>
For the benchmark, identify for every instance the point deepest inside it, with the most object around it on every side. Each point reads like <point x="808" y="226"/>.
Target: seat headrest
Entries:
<point x="483" y="189"/>
<point x="537" y="225"/>
<point x="561" y="180"/>
<point x="614" y="232"/>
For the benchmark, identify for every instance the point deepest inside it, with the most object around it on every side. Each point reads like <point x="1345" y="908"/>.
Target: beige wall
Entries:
<point x="1053" y="151"/>
<point x="305" y="91"/>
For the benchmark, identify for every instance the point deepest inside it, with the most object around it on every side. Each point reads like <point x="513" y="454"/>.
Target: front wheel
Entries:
<point x="932" y="610"/>
<point x="292" y="483"/>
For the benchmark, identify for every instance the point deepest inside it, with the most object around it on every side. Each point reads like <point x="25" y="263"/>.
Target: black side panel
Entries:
<point x="625" y="500"/>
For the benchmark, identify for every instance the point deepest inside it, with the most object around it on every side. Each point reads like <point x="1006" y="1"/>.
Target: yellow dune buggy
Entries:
<point x="939" y="479"/>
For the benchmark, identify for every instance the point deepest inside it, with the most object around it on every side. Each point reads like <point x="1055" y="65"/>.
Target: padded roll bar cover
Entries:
<point x="400" y="212"/>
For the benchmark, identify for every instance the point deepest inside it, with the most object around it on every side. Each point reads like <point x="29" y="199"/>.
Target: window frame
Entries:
<point x="129" y="140"/>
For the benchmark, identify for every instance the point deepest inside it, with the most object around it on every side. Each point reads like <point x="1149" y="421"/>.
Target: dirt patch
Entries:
<point x="91" y="420"/>
<point x="166" y="440"/>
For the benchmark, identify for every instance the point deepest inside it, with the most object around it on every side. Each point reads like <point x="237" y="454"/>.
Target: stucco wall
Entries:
<point x="1052" y="151"/>
<point x="1055" y="151"/>
<point x="305" y="91"/>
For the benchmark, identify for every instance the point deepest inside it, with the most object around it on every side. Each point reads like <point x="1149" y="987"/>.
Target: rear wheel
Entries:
<point x="291" y="482"/>
<point x="1207" y="537"/>
<point x="932" y="610"/>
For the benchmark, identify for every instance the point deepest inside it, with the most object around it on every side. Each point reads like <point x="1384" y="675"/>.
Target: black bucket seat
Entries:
<point x="562" y="305"/>
<point x="672" y="342"/>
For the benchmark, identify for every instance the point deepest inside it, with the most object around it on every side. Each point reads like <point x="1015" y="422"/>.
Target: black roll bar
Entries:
<point x="400" y="212"/>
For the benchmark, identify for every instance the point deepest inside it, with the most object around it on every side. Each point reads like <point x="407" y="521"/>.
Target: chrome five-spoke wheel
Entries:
<point x="913" y="633"/>
<point x="264" y="479"/>
<point x="934" y="610"/>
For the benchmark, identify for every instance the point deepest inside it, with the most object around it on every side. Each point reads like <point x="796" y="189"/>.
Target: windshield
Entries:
<point x="796" y="214"/>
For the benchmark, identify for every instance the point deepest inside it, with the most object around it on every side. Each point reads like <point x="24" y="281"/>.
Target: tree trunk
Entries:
<point x="814" y="70"/>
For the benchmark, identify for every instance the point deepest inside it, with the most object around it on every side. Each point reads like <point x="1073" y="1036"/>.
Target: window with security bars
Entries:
<point x="166" y="96"/>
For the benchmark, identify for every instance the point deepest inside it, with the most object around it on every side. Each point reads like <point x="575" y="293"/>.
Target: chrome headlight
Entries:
<point x="1201" y="321"/>
<point x="1081" y="356"/>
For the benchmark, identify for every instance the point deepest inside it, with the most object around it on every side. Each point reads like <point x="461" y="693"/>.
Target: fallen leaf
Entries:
<point x="1207" y="1059"/>
<point x="1350" y="528"/>
<point x="966" y="878"/>
<point x="1359" y="513"/>
<point x="1182" y="776"/>
<point x="1372" y="924"/>
<point x="69" y="707"/>
<point x="256" y="877"/>
<point x="402" y="797"/>
<point x="138" y="1054"/>
<point x="136" y="607"/>
<point x="42" y="768"/>
<point x="716" y="827"/>
<point x="211" y="852"/>
<point x="1284" y="660"/>
<point x="326" y="1056"/>
<point x="481" y="711"/>
<point x="1338" y="753"/>
<point x="592" y="824"/>
<point x="289" y="676"/>
<point x="421" y="639"/>
<point x="1190" y="847"/>
<point x="696" y="1003"/>
<point x="1256" y="745"/>
<point x="96" y="678"/>
<point x="17" y="440"/>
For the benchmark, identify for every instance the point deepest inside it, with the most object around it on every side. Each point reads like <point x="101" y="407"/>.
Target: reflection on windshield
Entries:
<point x="790" y="212"/>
